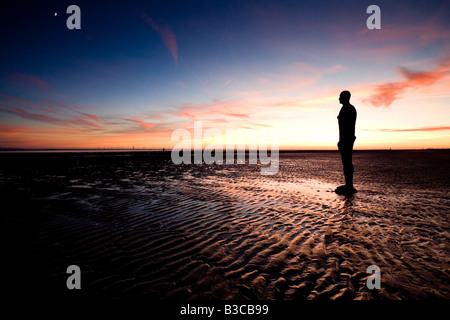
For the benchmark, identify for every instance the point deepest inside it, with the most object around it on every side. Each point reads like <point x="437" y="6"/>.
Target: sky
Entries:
<point x="137" y="71"/>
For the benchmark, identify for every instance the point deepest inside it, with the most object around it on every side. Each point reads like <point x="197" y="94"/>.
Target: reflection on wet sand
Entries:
<point x="141" y="226"/>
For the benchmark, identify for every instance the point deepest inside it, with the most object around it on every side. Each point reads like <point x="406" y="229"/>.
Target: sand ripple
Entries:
<point x="226" y="232"/>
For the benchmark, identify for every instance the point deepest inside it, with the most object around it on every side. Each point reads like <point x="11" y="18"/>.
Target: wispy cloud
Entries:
<point x="439" y="128"/>
<point x="166" y="34"/>
<point x="142" y="123"/>
<point x="33" y="116"/>
<point x="71" y="107"/>
<point x="296" y="76"/>
<point x="26" y="103"/>
<point x="86" y="123"/>
<point x="253" y="111"/>
<point x="95" y="118"/>
<point x="65" y="116"/>
<point x="238" y="115"/>
<point x="13" y="129"/>
<point x="90" y="116"/>
<point x="216" y="109"/>
<point x="30" y="80"/>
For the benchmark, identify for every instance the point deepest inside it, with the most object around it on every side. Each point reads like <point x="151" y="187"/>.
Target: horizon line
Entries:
<point x="235" y="150"/>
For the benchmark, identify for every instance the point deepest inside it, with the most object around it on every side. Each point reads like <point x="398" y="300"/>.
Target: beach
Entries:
<point x="138" y="226"/>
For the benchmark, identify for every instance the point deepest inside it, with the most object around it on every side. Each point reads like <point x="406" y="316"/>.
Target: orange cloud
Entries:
<point x="59" y="118"/>
<point x="386" y="94"/>
<point x="416" y="129"/>
<point x="238" y="115"/>
<point x="9" y="130"/>
<point x="53" y="104"/>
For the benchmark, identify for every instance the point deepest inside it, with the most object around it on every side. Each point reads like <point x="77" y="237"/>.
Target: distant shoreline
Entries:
<point x="50" y="150"/>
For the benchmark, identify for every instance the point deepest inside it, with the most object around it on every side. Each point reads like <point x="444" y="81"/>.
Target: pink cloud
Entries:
<point x="420" y="33"/>
<point x="95" y="118"/>
<point x="142" y="123"/>
<point x="33" y="116"/>
<point x="295" y="76"/>
<point x="393" y="40"/>
<point x="70" y="107"/>
<point x="91" y="116"/>
<point x="238" y="115"/>
<point x="65" y="120"/>
<point x="86" y="123"/>
<point x="166" y="34"/>
<point x="26" y="103"/>
<point x="236" y="110"/>
<point x="243" y="111"/>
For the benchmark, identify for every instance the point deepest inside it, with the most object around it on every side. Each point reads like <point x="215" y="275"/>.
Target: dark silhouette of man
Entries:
<point x="347" y="121"/>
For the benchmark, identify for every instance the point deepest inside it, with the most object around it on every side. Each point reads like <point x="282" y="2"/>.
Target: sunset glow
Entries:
<point x="136" y="72"/>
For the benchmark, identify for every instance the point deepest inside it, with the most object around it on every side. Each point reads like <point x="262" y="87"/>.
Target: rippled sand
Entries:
<point x="137" y="225"/>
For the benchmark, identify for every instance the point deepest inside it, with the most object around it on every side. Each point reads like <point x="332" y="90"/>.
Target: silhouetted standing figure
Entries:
<point x="347" y="121"/>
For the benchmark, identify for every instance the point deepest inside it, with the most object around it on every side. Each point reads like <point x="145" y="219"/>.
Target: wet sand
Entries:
<point x="139" y="226"/>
